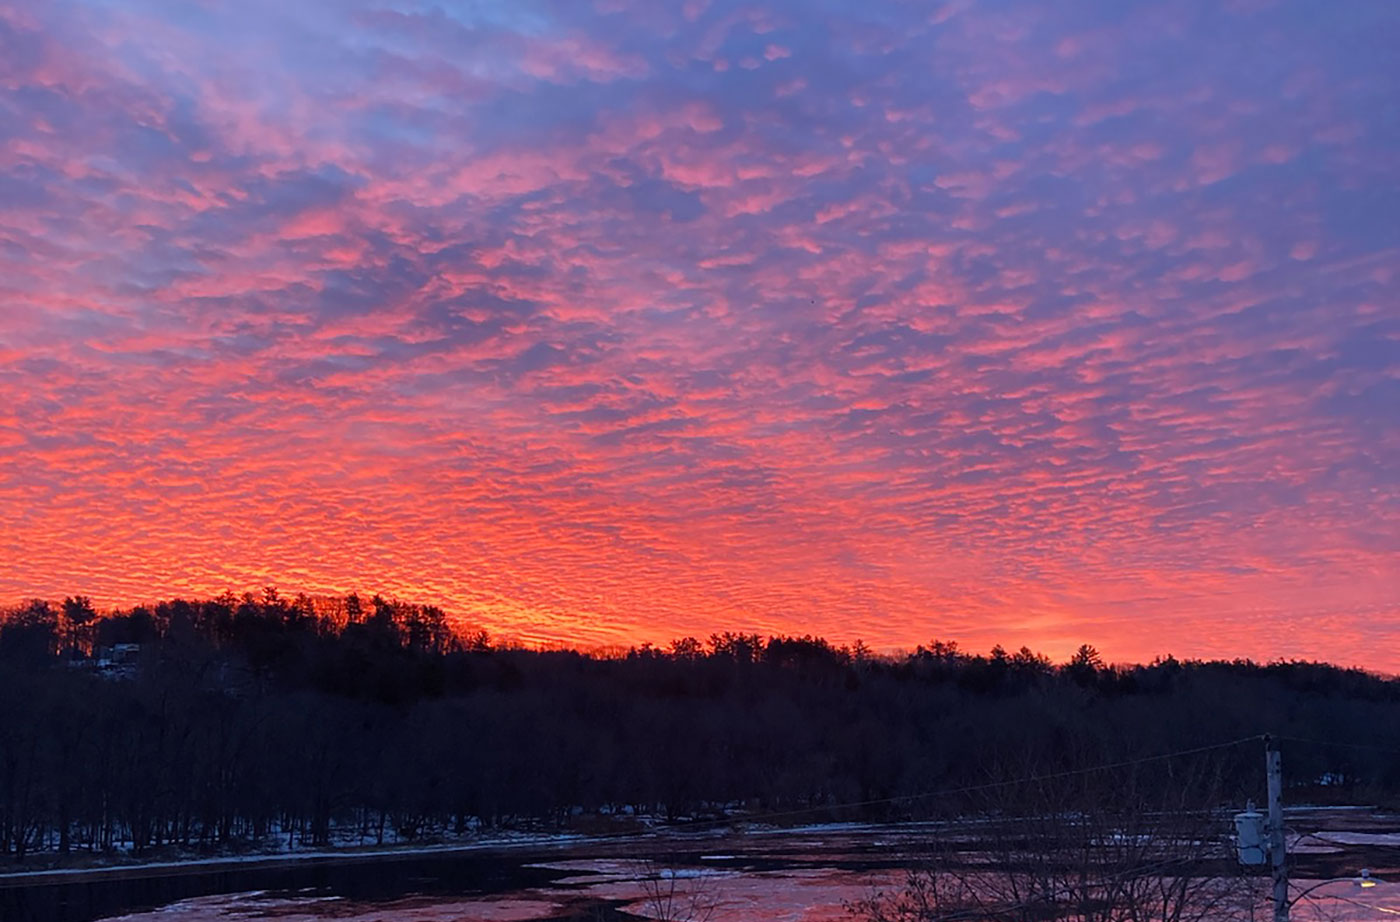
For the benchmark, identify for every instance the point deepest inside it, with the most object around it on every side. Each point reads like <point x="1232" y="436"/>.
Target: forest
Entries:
<point x="260" y="721"/>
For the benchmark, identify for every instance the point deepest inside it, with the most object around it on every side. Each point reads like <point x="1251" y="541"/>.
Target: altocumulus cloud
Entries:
<point x="1011" y="322"/>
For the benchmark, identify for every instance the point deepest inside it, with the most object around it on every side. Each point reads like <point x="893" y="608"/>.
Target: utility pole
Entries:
<point x="1278" y="847"/>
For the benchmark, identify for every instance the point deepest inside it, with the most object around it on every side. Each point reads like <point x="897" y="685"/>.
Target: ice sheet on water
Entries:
<point x="232" y="907"/>
<point x="594" y="868"/>
<point x="1360" y="838"/>
<point x="800" y="895"/>
<point x="805" y="888"/>
<point x="603" y="870"/>
<point x="1345" y="900"/>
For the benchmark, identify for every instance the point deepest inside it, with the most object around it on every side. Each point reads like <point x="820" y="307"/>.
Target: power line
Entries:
<point x="681" y="825"/>
<point x="1338" y="743"/>
<point x="951" y="792"/>
<point x="1304" y="836"/>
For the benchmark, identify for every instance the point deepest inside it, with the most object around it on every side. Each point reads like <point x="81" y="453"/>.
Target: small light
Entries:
<point x="1365" y="878"/>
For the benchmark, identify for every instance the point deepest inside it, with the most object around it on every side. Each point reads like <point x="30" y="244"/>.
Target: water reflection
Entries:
<point x="294" y="908"/>
<point x="799" y="895"/>
<point x="804" y="875"/>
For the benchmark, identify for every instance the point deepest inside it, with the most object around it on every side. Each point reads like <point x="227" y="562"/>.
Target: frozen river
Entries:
<point x="592" y="890"/>
<point x="803" y="875"/>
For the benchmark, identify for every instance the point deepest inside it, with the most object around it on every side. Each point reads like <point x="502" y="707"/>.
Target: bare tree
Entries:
<point x="1093" y="847"/>
<point x="673" y="895"/>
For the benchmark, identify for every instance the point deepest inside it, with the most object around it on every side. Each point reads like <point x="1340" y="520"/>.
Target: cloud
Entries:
<point x="1010" y="323"/>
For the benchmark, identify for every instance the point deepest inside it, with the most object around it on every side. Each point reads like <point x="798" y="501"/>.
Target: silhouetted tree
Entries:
<point x="228" y="721"/>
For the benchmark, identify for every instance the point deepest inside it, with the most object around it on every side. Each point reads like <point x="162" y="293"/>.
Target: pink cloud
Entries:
<point x="949" y="325"/>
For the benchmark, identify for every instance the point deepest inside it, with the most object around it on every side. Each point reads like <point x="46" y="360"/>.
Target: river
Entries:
<point x="796" y="875"/>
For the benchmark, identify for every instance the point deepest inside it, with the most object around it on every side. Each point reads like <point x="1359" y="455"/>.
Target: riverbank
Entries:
<point x="137" y="869"/>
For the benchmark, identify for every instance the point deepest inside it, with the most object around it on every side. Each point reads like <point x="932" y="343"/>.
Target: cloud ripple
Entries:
<point x="613" y="322"/>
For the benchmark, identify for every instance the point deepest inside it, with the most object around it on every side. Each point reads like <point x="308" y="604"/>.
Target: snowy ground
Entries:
<point x="128" y="867"/>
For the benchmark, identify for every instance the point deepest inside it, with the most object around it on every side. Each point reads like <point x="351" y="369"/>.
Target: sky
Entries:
<point x="605" y="322"/>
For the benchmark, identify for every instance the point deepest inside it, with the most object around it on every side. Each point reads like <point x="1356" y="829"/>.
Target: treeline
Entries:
<point x="238" y="722"/>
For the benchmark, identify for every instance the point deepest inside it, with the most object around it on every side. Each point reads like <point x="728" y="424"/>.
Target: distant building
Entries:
<point x="118" y="661"/>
